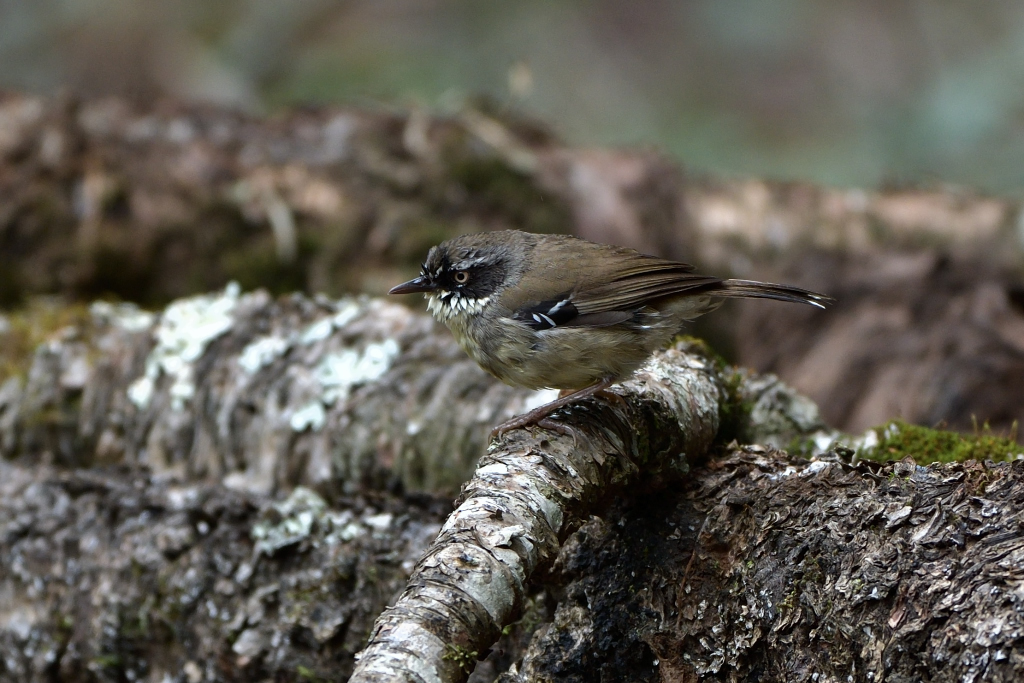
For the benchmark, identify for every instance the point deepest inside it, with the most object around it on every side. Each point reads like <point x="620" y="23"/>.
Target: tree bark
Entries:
<point x="529" y="492"/>
<point x="752" y="566"/>
<point x="764" y="567"/>
<point x="262" y="394"/>
<point x="118" y="575"/>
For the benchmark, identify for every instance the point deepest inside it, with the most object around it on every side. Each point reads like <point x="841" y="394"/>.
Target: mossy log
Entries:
<point x="116" y="564"/>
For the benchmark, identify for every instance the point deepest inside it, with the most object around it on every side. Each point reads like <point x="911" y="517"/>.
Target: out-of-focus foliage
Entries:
<point x="849" y="92"/>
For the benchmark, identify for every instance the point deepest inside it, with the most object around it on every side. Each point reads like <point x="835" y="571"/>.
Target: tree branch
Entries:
<point x="529" y="492"/>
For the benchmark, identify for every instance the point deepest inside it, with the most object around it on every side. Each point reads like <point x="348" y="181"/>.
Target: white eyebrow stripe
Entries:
<point x="469" y="263"/>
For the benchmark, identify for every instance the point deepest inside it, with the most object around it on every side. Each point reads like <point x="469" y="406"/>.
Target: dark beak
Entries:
<point x="420" y="284"/>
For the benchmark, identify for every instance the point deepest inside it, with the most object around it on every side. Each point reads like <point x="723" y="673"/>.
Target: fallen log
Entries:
<point x="757" y="564"/>
<point x="765" y="567"/>
<point x="260" y="393"/>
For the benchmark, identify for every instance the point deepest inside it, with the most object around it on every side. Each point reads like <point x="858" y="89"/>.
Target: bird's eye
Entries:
<point x="461" y="277"/>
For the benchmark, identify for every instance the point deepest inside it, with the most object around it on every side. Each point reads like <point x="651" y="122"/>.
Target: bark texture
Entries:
<point x="113" y="575"/>
<point x="529" y="492"/>
<point x="764" y="567"/>
<point x="260" y="393"/>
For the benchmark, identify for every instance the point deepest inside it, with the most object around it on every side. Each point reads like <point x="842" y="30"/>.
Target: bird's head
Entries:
<point x="461" y="276"/>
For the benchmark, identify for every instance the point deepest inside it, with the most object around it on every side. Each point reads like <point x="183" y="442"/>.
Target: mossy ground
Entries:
<point x="899" y="439"/>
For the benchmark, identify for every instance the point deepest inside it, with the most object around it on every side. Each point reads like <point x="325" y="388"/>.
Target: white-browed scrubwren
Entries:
<point x="552" y="311"/>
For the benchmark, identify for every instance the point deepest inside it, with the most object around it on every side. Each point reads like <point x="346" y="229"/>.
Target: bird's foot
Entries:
<point x="539" y="416"/>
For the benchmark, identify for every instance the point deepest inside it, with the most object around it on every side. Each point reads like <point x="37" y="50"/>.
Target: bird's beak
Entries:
<point x="420" y="284"/>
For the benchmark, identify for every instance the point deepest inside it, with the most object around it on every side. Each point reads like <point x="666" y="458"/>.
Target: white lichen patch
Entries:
<point x="262" y="352"/>
<point x="310" y="416"/>
<point x="379" y="522"/>
<point x="293" y="522"/>
<point x="127" y="316"/>
<point x="265" y="350"/>
<point x="338" y="373"/>
<point x="342" y="527"/>
<point x="348" y="310"/>
<point x="185" y="329"/>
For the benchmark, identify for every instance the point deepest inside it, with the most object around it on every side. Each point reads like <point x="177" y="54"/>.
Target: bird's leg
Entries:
<point x="537" y="415"/>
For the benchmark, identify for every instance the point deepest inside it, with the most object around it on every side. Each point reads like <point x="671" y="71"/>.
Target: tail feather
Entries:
<point x="766" y="290"/>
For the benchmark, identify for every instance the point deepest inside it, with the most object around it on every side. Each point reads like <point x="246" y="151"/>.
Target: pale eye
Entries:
<point x="461" y="277"/>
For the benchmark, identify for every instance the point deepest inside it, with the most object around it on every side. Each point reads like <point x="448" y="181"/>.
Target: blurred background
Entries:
<point x="849" y="92"/>
<point x="896" y="128"/>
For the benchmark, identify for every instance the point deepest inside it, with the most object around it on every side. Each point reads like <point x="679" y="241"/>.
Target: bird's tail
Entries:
<point x="766" y="290"/>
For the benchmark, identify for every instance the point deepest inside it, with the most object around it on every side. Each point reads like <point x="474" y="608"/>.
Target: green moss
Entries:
<point x="899" y="439"/>
<point x="734" y="412"/>
<point x="307" y="674"/>
<point x="466" y="659"/>
<point x="789" y="602"/>
<point x="534" y="614"/>
<point x="30" y="327"/>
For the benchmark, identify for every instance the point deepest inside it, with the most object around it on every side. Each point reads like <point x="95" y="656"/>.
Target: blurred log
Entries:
<point x="262" y="394"/>
<point x="149" y="203"/>
<point x="934" y="339"/>
<point x="155" y="202"/>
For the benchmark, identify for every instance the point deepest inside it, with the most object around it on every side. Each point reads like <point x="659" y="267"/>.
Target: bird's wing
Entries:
<point x="636" y="287"/>
<point x="604" y="290"/>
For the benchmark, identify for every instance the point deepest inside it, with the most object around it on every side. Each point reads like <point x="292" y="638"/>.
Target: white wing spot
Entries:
<point x="557" y="307"/>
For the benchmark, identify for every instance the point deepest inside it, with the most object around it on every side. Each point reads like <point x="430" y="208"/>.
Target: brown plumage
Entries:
<point x="555" y="311"/>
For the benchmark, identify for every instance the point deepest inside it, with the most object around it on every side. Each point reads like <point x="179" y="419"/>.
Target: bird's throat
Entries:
<point x="448" y="307"/>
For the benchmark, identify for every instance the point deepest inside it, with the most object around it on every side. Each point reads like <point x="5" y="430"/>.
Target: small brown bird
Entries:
<point x="552" y="311"/>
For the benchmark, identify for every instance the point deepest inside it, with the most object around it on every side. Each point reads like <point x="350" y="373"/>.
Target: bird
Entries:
<point x="545" y="311"/>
